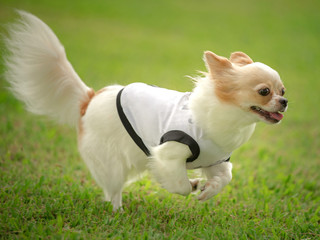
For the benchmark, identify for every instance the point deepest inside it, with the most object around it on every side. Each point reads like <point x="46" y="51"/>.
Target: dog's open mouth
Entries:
<point x="273" y="117"/>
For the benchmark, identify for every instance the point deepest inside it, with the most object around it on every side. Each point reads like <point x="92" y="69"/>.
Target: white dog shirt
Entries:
<point x="153" y="115"/>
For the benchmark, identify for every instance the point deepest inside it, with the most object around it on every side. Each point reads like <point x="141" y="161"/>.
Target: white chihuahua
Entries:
<point x="122" y="131"/>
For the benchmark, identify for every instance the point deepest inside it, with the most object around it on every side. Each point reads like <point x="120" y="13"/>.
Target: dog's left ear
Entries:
<point x="215" y="64"/>
<point x="240" y="59"/>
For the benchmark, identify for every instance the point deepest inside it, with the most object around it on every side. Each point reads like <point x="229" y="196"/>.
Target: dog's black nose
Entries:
<point x="284" y="102"/>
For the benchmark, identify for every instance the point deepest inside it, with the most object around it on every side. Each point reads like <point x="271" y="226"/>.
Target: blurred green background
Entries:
<point x="161" y="42"/>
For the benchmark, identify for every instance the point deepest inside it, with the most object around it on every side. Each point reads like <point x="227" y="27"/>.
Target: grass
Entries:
<point x="46" y="190"/>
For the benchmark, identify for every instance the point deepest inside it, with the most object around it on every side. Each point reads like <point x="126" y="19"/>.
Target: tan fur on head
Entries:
<point x="237" y="81"/>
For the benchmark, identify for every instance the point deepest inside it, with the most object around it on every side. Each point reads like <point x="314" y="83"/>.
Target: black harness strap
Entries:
<point x="129" y="127"/>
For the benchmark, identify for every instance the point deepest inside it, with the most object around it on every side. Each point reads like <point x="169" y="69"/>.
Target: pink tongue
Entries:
<point x="276" y="115"/>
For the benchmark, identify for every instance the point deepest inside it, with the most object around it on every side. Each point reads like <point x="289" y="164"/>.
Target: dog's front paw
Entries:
<point x="208" y="191"/>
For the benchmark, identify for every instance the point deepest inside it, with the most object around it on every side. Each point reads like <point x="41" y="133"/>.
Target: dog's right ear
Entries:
<point x="215" y="64"/>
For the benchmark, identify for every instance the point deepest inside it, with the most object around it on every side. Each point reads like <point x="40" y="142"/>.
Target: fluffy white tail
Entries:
<point x="39" y="72"/>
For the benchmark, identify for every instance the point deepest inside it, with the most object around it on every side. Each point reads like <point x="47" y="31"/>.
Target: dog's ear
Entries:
<point x="240" y="59"/>
<point x="215" y="64"/>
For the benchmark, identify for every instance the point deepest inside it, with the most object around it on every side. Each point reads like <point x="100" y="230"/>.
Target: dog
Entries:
<point x="124" y="130"/>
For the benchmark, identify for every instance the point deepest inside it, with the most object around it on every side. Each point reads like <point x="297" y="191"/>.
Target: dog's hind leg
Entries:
<point x="115" y="199"/>
<point x="112" y="182"/>
<point x="109" y="172"/>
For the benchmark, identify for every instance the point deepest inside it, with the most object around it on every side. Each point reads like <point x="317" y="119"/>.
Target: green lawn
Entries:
<point x="46" y="190"/>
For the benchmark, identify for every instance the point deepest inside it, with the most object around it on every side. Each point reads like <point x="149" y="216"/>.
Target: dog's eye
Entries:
<point x="264" y="91"/>
<point x="283" y="91"/>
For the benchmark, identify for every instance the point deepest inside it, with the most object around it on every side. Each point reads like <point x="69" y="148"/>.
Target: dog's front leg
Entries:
<point x="218" y="176"/>
<point x="168" y="166"/>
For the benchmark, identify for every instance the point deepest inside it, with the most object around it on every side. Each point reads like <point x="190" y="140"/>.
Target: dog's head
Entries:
<point x="252" y="86"/>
